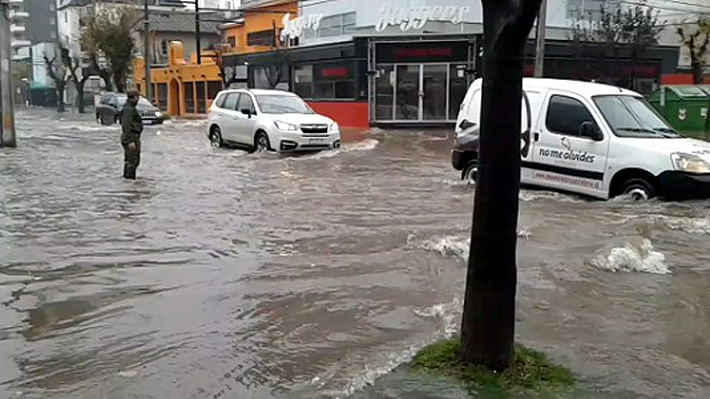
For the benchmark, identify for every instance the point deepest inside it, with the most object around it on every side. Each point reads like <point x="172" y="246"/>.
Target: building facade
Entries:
<point x="18" y="19"/>
<point x="407" y="61"/>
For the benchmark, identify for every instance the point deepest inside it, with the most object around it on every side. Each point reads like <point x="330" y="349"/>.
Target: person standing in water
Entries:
<point x="132" y="127"/>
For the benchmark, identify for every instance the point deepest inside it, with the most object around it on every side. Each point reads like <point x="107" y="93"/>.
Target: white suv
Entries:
<point x="269" y="120"/>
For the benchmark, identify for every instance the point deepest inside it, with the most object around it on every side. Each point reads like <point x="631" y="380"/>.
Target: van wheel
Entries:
<point x="469" y="172"/>
<point x="638" y="189"/>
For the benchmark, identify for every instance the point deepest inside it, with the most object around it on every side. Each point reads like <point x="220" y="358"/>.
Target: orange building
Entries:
<point x="182" y="88"/>
<point x="260" y="29"/>
<point x="186" y="88"/>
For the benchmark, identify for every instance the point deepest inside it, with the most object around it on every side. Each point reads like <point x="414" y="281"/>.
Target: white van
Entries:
<point x="592" y="139"/>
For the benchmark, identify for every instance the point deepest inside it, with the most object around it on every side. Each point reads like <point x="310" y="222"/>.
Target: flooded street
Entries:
<point x="219" y="274"/>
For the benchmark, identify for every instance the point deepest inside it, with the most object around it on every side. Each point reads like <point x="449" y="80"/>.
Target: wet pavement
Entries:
<point x="220" y="274"/>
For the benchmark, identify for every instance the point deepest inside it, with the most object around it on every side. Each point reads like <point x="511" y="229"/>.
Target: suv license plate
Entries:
<point x="317" y="141"/>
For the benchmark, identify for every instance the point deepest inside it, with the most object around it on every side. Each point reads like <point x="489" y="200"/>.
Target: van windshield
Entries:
<point x="631" y="116"/>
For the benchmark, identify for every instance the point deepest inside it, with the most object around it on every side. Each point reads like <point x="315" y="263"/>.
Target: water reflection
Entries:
<point x="223" y="274"/>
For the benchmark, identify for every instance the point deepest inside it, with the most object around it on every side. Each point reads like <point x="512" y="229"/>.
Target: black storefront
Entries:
<point x="423" y="79"/>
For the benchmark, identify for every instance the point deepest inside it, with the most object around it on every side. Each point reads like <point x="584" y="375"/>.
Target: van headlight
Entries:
<point x="285" y="126"/>
<point x="334" y="128"/>
<point x="690" y="163"/>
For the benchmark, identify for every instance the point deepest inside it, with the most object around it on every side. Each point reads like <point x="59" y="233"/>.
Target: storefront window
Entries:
<point x="325" y="81"/>
<point x="458" y="85"/>
<point x="303" y="80"/>
<point x="384" y="101"/>
<point x="271" y="77"/>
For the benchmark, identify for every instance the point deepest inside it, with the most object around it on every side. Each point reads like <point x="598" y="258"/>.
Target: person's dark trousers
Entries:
<point x="131" y="159"/>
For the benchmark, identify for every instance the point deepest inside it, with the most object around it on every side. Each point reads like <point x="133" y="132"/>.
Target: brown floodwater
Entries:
<point x="219" y="274"/>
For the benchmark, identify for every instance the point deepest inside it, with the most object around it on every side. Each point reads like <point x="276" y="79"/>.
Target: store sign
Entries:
<point x="417" y="17"/>
<point x="294" y="28"/>
<point x="449" y="51"/>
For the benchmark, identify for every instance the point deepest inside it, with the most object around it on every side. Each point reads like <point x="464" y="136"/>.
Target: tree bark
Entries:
<point x="488" y="323"/>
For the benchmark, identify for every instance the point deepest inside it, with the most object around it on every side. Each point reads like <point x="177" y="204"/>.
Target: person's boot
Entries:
<point x="129" y="172"/>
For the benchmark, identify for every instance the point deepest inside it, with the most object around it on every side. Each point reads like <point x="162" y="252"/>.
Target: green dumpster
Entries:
<point x="685" y="107"/>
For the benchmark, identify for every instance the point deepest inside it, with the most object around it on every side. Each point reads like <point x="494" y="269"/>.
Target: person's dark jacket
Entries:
<point x="131" y="124"/>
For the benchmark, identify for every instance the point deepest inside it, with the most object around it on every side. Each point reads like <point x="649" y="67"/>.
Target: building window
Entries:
<point x="66" y="17"/>
<point x="262" y="38"/>
<point x="232" y="41"/>
<point x="334" y="25"/>
<point x="188" y="89"/>
<point x="325" y="81"/>
<point x="164" y="47"/>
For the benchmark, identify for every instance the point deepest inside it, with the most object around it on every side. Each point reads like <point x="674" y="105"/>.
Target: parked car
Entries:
<point x="269" y="120"/>
<point x="592" y="139"/>
<point x="108" y="111"/>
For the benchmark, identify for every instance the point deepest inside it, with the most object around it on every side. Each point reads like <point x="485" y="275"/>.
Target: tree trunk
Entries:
<point x="60" y="99"/>
<point x="80" y="99"/>
<point x="488" y="324"/>
<point x="697" y="69"/>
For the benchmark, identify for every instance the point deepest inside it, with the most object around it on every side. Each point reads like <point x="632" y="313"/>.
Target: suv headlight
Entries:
<point x="285" y="126"/>
<point x="690" y="163"/>
<point x="334" y="128"/>
<point x="158" y="114"/>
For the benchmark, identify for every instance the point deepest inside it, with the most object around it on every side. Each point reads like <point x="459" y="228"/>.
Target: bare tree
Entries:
<point x="598" y="40"/>
<point x="109" y="31"/>
<point x="227" y="74"/>
<point x="488" y="323"/>
<point x="696" y="41"/>
<point x="72" y="65"/>
<point x="57" y="71"/>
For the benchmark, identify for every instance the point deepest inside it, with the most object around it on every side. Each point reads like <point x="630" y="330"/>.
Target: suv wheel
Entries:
<point x="216" y="137"/>
<point x="469" y="172"/>
<point x="261" y="142"/>
<point x="639" y="189"/>
<point x="100" y="119"/>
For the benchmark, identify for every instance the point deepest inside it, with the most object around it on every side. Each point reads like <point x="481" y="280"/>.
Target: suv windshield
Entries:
<point x="280" y="104"/>
<point x="631" y="116"/>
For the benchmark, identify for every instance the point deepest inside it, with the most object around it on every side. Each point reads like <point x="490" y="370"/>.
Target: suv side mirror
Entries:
<point x="246" y="111"/>
<point x="590" y="130"/>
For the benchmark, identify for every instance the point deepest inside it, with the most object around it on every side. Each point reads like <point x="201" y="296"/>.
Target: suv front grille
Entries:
<point x="314" y="129"/>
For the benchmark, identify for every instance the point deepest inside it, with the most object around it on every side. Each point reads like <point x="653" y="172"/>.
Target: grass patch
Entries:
<point x="531" y="370"/>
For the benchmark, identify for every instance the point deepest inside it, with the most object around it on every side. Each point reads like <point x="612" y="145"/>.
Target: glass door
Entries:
<point x="434" y="93"/>
<point x="407" y="104"/>
<point x="419" y="92"/>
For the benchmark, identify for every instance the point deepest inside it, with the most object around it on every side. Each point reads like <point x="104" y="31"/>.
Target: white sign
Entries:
<point x="294" y="28"/>
<point x="417" y="17"/>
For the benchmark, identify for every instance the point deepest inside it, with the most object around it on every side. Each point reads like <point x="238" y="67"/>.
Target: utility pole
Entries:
<point x="540" y="40"/>
<point x="197" y="32"/>
<point x="7" y="112"/>
<point x="146" y="52"/>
